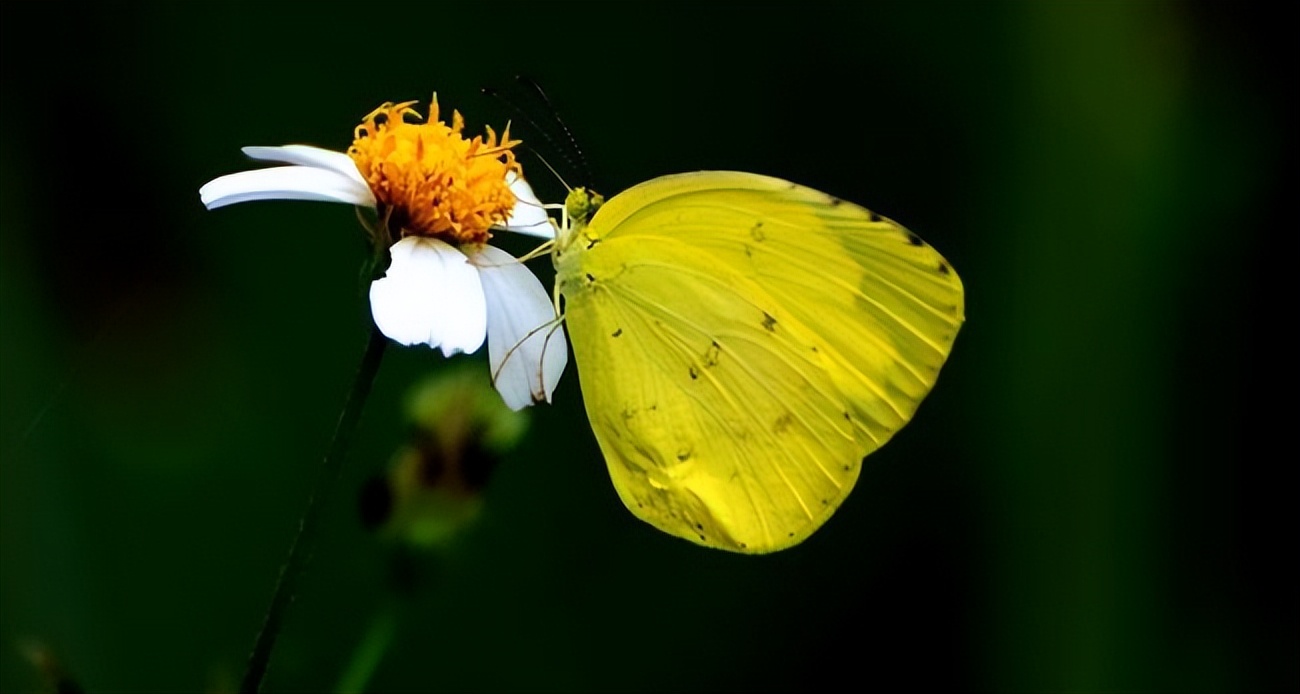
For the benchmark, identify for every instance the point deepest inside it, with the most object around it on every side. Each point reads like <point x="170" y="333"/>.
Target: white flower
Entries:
<point x="448" y="293"/>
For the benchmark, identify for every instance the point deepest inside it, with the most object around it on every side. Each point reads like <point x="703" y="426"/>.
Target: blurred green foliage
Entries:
<point x="1088" y="501"/>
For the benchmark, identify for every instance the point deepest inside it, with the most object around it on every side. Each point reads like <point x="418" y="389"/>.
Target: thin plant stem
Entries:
<point x="371" y="649"/>
<point x="309" y="527"/>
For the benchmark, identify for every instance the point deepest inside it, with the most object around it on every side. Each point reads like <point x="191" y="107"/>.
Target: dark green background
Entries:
<point x="1090" y="499"/>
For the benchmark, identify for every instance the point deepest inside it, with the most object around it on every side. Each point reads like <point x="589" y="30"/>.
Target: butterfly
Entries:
<point x="743" y="343"/>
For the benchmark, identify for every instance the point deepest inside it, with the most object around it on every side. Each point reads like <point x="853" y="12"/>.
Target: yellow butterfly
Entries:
<point x="742" y="343"/>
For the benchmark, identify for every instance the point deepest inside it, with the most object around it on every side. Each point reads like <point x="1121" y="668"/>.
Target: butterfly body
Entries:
<point x="742" y="343"/>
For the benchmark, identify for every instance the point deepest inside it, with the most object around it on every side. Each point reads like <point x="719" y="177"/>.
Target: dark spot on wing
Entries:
<point x="826" y="502"/>
<point x="749" y="252"/>
<point x="769" y="322"/>
<point x="943" y="267"/>
<point x="699" y="526"/>
<point x="694" y="373"/>
<point x="914" y="239"/>
<point x="684" y="455"/>
<point x="590" y="277"/>
<point x="782" y="423"/>
<point x="848" y="416"/>
<point x="711" y="356"/>
<point x="702" y="539"/>
<point x="592" y="242"/>
<point x="757" y="232"/>
<point x="617" y="333"/>
<point x="836" y="202"/>
<point x="874" y="217"/>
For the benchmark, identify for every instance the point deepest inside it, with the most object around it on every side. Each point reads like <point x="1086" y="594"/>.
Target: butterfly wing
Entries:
<point x="743" y="342"/>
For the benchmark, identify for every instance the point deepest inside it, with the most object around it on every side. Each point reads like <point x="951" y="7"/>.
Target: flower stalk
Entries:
<point x="309" y="527"/>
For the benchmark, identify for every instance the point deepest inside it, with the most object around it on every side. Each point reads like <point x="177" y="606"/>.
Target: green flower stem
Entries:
<point x="371" y="649"/>
<point x="301" y="549"/>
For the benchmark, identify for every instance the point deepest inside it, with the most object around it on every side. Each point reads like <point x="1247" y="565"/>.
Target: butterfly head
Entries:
<point x="579" y="207"/>
<point x="582" y="204"/>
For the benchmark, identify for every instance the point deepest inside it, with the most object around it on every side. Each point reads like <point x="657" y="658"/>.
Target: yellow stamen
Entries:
<point x="430" y="179"/>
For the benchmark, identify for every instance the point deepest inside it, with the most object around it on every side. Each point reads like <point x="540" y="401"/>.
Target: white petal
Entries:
<point x="285" y="183"/>
<point x="430" y="295"/>
<point x="306" y="155"/>
<point x="526" y="346"/>
<point x="528" y="216"/>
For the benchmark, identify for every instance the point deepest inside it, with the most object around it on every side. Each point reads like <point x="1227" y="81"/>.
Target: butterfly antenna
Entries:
<point x="545" y="133"/>
<point x="583" y="167"/>
<point x="547" y="164"/>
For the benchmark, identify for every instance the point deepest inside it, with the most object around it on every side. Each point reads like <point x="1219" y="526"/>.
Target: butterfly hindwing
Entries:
<point x="716" y="427"/>
<point x="743" y="342"/>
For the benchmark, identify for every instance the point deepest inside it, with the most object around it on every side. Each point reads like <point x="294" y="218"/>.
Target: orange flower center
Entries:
<point x="431" y="181"/>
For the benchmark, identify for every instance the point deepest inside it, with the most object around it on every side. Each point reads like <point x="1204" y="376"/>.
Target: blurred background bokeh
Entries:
<point x="1095" y="496"/>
